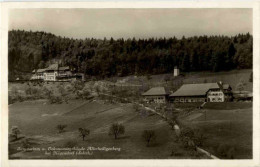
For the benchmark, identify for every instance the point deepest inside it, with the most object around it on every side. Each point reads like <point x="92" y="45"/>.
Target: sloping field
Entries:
<point x="37" y="122"/>
<point x="224" y="129"/>
<point x="230" y="77"/>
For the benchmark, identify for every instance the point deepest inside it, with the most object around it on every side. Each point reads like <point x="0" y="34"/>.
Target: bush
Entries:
<point x="116" y="129"/>
<point x="77" y="85"/>
<point x="15" y="131"/>
<point x="149" y="136"/>
<point x="61" y="128"/>
<point x="26" y="144"/>
<point x="55" y="99"/>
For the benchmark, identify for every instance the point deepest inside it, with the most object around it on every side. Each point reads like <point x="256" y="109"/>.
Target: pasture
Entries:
<point x="37" y="121"/>
<point x="225" y="126"/>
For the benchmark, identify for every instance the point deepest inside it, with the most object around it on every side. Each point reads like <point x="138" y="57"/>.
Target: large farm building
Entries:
<point x="203" y="92"/>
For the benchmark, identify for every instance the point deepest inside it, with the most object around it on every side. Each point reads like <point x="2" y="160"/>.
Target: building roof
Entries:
<point x="53" y="67"/>
<point x="38" y="70"/>
<point x="194" y="89"/>
<point x="64" y="68"/>
<point x="155" y="91"/>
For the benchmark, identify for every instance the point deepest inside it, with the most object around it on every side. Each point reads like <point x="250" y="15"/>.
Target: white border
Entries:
<point x="64" y="163"/>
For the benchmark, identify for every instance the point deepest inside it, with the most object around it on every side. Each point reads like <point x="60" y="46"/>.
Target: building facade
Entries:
<point x="38" y="74"/>
<point x="56" y="73"/>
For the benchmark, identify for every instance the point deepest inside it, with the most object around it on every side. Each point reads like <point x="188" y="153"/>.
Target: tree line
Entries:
<point x="28" y="50"/>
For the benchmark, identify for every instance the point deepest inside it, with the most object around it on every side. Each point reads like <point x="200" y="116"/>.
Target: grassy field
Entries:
<point x="37" y="121"/>
<point x="226" y="124"/>
<point x="231" y="77"/>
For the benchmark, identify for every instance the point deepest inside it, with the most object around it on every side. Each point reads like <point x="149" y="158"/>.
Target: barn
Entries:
<point x="155" y="95"/>
<point x="202" y="92"/>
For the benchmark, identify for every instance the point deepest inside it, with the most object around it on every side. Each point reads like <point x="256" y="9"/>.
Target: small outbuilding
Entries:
<point x="155" y="95"/>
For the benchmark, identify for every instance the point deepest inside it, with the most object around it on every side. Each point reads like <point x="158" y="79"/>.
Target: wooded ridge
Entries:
<point x="28" y="50"/>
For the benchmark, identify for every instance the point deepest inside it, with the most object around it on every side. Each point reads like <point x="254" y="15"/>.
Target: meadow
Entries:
<point x="227" y="128"/>
<point x="37" y="121"/>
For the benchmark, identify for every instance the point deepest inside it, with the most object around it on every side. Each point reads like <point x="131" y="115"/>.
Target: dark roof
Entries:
<point x="64" y="68"/>
<point x="195" y="89"/>
<point x="155" y="91"/>
<point x="53" y="67"/>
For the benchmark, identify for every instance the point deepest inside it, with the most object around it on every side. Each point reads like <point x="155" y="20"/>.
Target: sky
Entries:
<point x="129" y="23"/>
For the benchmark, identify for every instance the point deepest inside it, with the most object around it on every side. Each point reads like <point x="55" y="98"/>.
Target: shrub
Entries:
<point x="83" y="133"/>
<point x="149" y="136"/>
<point x="55" y="99"/>
<point x="77" y="85"/>
<point x="26" y="144"/>
<point x="116" y="129"/>
<point x="199" y="138"/>
<point x="15" y="131"/>
<point x="61" y="128"/>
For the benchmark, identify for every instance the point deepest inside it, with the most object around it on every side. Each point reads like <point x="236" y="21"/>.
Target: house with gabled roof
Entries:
<point x="156" y="95"/>
<point x="202" y="92"/>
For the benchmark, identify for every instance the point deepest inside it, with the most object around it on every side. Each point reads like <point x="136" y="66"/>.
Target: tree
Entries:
<point x="15" y="131"/>
<point x="149" y="136"/>
<point x="61" y="128"/>
<point x="241" y="85"/>
<point x="116" y="129"/>
<point x="83" y="133"/>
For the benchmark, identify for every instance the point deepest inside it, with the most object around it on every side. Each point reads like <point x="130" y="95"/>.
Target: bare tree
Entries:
<point x="149" y="136"/>
<point x="116" y="129"/>
<point x="83" y="133"/>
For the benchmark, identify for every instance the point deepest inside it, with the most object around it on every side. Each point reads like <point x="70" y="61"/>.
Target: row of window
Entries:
<point x="216" y="99"/>
<point x="189" y="100"/>
<point x="216" y="94"/>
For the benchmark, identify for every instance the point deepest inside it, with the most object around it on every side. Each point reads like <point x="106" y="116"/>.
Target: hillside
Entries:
<point x="122" y="57"/>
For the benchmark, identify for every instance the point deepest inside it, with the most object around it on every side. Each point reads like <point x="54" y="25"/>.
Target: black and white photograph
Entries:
<point x="130" y="83"/>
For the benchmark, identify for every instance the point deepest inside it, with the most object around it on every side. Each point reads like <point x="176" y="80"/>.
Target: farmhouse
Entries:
<point x="203" y="92"/>
<point x="156" y="95"/>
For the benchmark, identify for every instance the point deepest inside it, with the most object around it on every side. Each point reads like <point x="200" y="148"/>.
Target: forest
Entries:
<point x="29" y="50"/>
